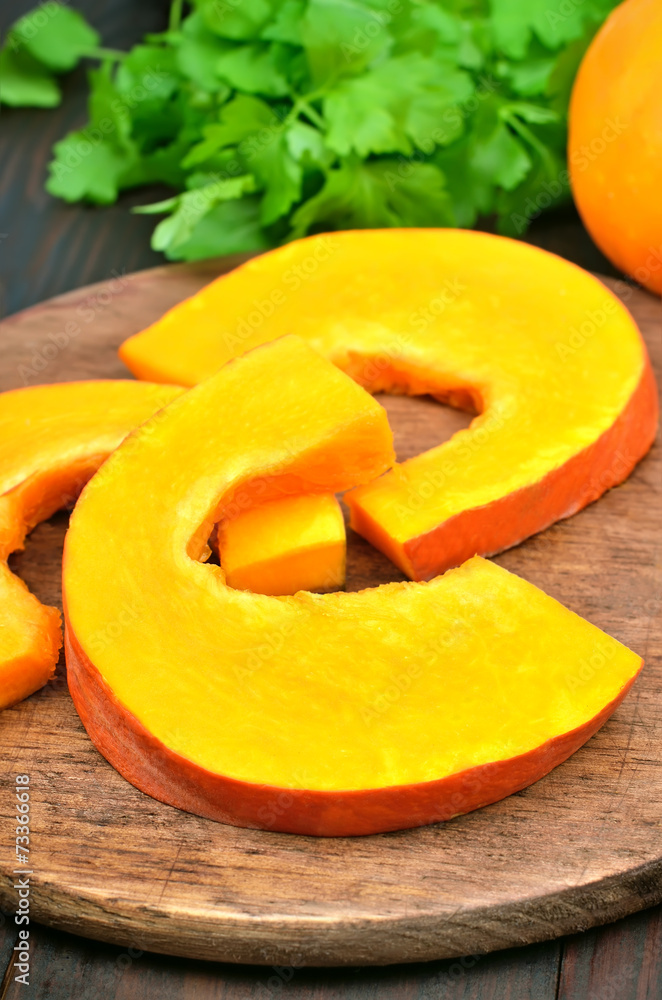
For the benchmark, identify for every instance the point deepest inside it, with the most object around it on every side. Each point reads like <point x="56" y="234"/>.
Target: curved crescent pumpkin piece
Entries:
<point x="336" y="714"/>
<point x="550" y="358"/>
<point x="52" y="439"/>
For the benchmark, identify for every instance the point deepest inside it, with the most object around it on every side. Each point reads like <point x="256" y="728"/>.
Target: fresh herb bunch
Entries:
<point x="277" y="118"/>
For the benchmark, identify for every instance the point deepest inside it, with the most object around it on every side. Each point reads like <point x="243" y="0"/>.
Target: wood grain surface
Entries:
<point x="618" y="962"/>
<point x="581" y="847"/>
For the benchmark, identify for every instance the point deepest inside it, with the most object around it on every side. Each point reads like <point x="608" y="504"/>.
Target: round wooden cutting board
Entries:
<point x="581" y="847"/>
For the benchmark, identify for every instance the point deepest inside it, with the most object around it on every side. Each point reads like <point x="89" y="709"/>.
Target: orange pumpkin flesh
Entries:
<point x="615" y="140"/>
<point x="330" y="714"/>
<point x="296" y="543"/>
<point x="554" y="362"/>
<point x="52" y="439"/>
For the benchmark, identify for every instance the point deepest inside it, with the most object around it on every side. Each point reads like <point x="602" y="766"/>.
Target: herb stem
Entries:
<point x="101" y="53"/>
<point x="310" y="112"/>
<point x="528" y="136"/>
<point x="175" y="19"/>
<point x="302" y="105"/>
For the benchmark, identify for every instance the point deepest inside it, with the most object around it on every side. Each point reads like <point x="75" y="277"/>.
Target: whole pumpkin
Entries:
<point x="615" y="140"/>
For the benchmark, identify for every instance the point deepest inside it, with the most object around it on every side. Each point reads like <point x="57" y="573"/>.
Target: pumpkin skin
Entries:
<point x="554" y="364"/>
<point x="276" y="712"/>
<point x="53" y="438"/>
<point x="615" y="140"/>
<point x="280" y="547"/>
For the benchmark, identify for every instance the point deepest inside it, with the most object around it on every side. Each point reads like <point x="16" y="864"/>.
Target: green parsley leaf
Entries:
<point x="88" y="168"/>
<point x="54" y="35"/>
<point x="546" y="185"/>
<point x="240" y="20"/>
<point x="554" y="22"/>
<point x="342" y="37"/>
<point x="275" y="118"/>
<point x="189" y="208"/>
<point x="253" y="69"/>
<point x="501" y="160"/>
<point x="92" y="163"/>
<point x="149" y="72"/>
<point x="240" y="118"/>
<point x="357" y="121"/>
<point x="197" y="51"/>
<point x="286" y="26"/>
<point x="416" y="193"/>
<point x="24" y="82"/>
<point x="230" y="227"/>
<point x="306" y="145"/>
<point x="279" y="173"/>
<point x="530" y="77"/>
<point x="373" y="195"/>
<point x="403" y="99"/>
<point x="490" y="157"/>
<point x="106" y="107"/>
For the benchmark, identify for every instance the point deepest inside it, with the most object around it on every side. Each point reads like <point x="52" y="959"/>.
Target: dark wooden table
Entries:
<point x="46" y="248"/>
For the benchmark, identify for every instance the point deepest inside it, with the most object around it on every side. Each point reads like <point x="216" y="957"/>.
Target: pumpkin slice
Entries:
<point x="548" y="356"/>
<point x="296" y="543"/>
<point x="335" y="714"/>
<point x="52" y="439"/>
